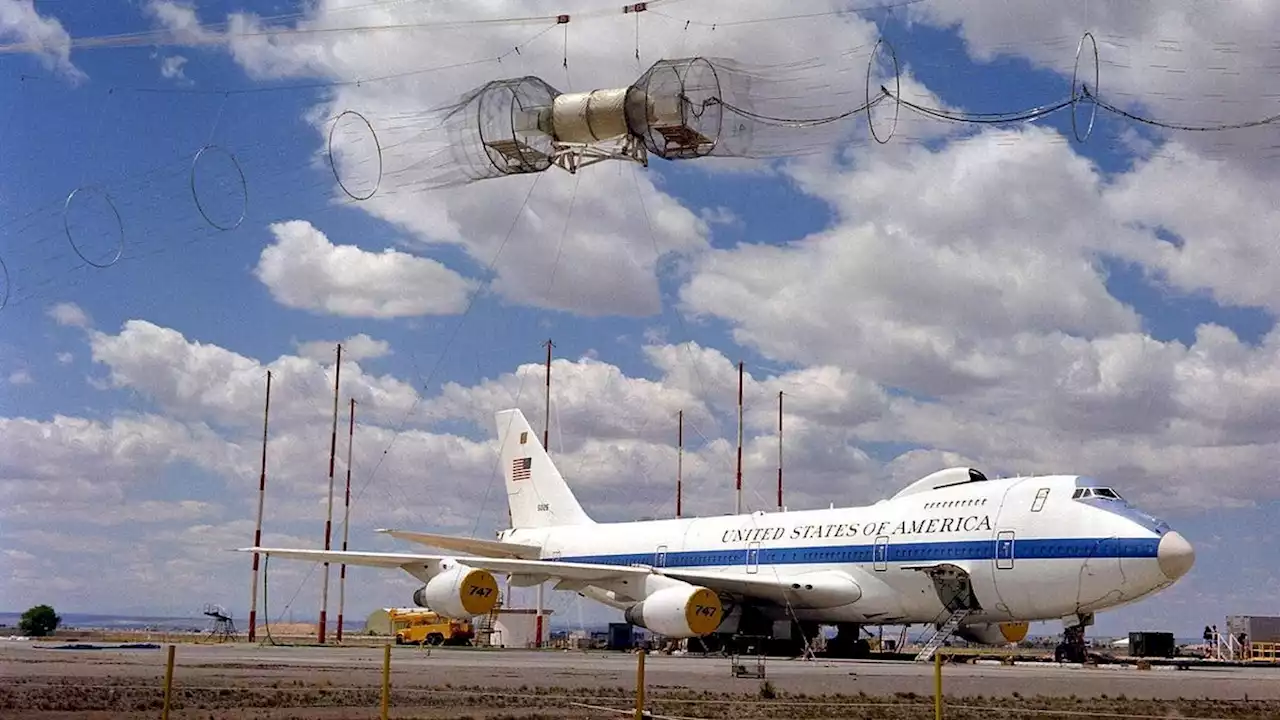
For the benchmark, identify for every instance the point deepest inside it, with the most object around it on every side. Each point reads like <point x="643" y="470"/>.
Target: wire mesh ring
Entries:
<point x="66" y="225"/>
<point x="334" y="166"/>
<point x="244" y="188"/>
<point x="1075" y="96"/>
<point x="4" y="270"/>
<point x="897" y="91"/>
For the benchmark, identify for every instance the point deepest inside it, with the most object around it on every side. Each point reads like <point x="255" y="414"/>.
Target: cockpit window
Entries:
<point x="1096" y="492"/>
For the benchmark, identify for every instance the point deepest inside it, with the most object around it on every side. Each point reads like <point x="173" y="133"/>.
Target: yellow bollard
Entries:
<point x="386" y="680"/>
<point x="937" y="686"/>
<point x="168" y="684"/>
<point x="640" y="685"/>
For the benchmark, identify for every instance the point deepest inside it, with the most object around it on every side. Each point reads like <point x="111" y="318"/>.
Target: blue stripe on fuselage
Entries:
<point x="1030" y="549"/>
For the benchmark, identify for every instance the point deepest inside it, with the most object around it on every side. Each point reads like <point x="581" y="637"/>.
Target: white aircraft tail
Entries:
<point x="536" y="492"/>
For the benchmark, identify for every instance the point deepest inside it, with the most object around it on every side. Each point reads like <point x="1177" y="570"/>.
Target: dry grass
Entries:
<point x="243" y="697"/>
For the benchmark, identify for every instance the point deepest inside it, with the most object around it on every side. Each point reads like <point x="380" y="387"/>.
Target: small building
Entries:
<point x="517" y="628"/>
<point x="1255" y="628"/>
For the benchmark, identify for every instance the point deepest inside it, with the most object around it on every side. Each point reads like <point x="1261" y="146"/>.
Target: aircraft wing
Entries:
<point x="544" y="568"/>
<point x="822" y="588"/>
<point x="819" y="588"/>
<point x="488" y="548"/>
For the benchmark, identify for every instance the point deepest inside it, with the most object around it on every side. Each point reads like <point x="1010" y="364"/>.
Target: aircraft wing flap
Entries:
<point x="545" y="568"/>
<point x="812" y="589"/>
<point x="803" y="591"/>
<point x="371" y="559"/>
<point x="489" y="548"/>
<point x="734" y="584"/>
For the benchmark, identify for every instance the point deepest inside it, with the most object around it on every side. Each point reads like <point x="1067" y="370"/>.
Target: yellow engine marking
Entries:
<point x="478" y="592"/>
<point x="704" y="612"/>
<point x="1014" y="631"/>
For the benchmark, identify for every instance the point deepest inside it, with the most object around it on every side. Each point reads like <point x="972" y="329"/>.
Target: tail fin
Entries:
<point x="536" y="493"/>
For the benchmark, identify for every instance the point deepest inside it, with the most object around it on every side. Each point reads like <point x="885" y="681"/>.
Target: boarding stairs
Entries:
<point x="1225" y="646"/>
<point x="942" y="634"/>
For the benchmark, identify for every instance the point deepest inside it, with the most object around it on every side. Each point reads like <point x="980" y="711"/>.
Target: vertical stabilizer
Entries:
<point x="536" y="492"/>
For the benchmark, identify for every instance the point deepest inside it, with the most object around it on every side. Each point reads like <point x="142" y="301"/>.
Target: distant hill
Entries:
<point x="117" y="622"/>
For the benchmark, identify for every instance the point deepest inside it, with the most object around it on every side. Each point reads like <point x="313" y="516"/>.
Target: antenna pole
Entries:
<point x="779" y="451"/>
<point x="546" y="420"/>
<point x="679" y="461"/>
<point x="257" y="530"/>
<point x="738" y="484"/>
<point x="328" y="521"/>
<point x="346" y="518"/>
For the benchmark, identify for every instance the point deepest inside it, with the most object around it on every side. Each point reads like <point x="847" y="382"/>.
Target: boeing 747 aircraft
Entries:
<point x="975" y="556"/>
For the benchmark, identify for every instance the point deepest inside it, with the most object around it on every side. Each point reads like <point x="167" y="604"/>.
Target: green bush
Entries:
<point x="39" y="621"/>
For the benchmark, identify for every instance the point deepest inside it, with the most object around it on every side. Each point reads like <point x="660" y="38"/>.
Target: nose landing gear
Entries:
<point x="1073" y="649"/>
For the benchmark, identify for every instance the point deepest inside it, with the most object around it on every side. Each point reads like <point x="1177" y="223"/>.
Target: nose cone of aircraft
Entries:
<point x="1175" y="555"/>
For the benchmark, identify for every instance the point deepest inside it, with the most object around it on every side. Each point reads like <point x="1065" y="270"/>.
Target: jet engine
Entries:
<point x="679" y="611"/>
<point x="459" y="592"/>
<point x="995" y="633"/>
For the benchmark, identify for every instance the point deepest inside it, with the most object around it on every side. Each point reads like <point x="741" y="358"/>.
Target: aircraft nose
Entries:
<point x="1175" y="555"/>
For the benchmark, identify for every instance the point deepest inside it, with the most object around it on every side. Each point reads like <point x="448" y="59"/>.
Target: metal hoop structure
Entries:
<point x="66" y="226"/>
<point x="334" y="166"/>
<point x="4" y="298"/>
<point x="1075" y="96"/>
<point x="897" y="90"/>
<point x="244" y="188"/>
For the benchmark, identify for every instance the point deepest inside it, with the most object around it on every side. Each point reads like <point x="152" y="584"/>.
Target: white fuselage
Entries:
<point x="1030" y="547"/>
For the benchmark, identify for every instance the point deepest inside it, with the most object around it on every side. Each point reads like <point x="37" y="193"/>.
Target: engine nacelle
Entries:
<point x="680" y="611"/>
<point x="459" y="592"/>
<point x="995" y="633"/>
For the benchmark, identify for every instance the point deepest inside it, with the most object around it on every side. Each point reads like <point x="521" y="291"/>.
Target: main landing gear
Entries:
<point x="848" y="643"/>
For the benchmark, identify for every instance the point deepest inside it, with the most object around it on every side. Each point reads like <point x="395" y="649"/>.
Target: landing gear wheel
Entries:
<point x="1072" y="649"/>
<point x="1066" y="652"/>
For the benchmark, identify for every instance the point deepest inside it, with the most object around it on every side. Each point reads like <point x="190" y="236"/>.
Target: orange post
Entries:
<point x="168" y="684"/>
<point x="640" y="685"/>
<point x="386" y="680"/>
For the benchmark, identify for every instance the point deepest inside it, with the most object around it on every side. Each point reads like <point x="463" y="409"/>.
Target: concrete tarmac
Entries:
<point x="582" y="670"/>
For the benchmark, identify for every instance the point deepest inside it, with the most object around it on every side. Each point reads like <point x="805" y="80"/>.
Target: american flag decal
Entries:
<point x="520" y="468"/>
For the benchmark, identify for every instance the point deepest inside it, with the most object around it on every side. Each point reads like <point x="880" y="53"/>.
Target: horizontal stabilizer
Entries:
<point x="476" y="546"/>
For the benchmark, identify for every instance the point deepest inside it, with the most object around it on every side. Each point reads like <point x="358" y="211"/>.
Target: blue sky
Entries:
<point x="1003" y="296"/>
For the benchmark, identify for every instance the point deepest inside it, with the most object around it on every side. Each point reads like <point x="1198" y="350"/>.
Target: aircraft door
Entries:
<point x="753" y="557"/>
<point x="1004" y="550"/>
<point x="660" y="556"/>
<point x="880" y="555"/>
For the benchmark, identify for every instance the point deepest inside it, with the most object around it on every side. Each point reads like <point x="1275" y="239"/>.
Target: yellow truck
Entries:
<point x="427" y="627"/>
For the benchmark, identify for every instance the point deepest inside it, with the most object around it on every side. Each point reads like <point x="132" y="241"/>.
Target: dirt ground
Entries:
<point x="248" y="681"/>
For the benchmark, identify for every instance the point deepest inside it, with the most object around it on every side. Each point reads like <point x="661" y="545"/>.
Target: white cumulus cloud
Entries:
<point x="355" y="348"/>
<point x="69" y="314"/>
<point x="304" y="269"/>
